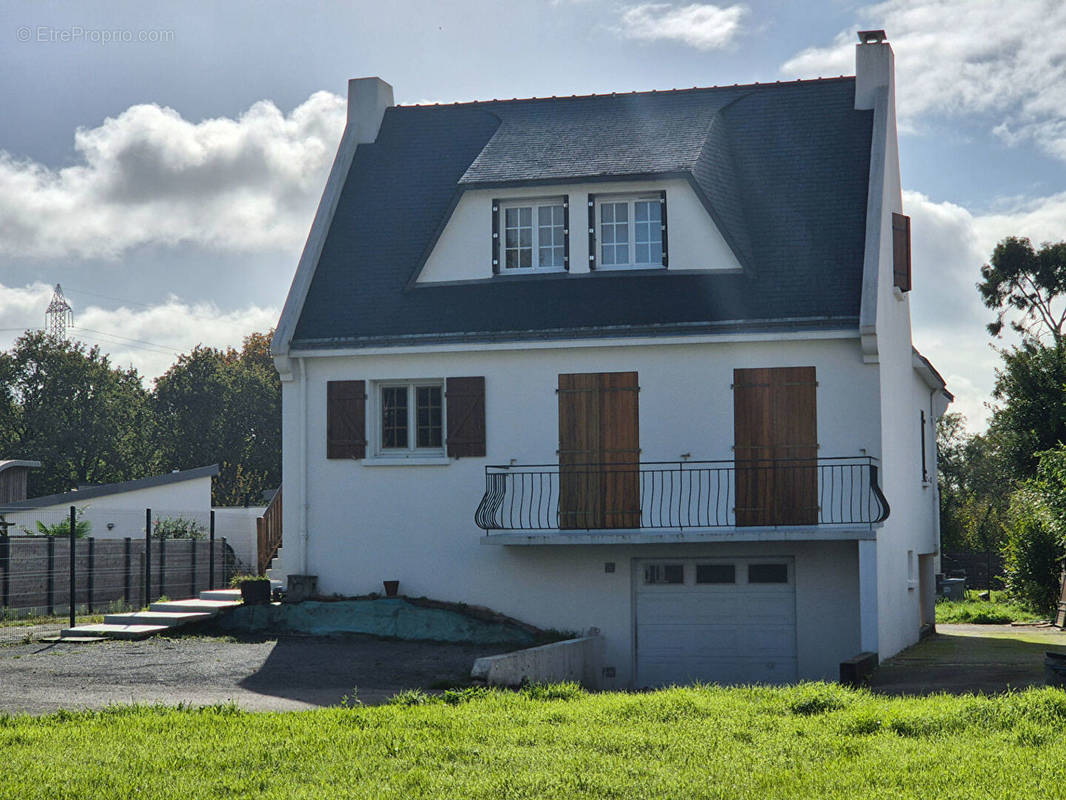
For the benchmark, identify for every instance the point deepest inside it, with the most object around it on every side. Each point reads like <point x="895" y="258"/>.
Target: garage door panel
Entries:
<point x="715" y="633"/>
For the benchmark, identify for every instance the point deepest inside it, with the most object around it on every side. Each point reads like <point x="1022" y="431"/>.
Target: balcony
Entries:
<point x="779" y="499"/>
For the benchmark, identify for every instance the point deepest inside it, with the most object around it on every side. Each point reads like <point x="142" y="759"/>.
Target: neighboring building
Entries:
<point x="116" y="510"/>
<point x="13" y="474"/>
<point x="656" y="345"/>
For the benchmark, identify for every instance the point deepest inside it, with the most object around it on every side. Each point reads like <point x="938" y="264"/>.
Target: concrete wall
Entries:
<point x="237" y="526"/>
<point x="577" y="660"/>
<point x="464" y="250"/>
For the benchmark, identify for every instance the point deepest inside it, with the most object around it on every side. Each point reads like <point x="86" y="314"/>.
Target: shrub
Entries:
<point x="1032" y="551"/>
<point x="177" y="528"/>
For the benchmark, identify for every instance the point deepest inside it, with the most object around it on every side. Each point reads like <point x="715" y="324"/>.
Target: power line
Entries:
<point x="128" y="339"/>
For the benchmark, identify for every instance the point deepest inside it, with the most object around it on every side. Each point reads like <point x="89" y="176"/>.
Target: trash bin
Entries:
<point x="953" y="588"/>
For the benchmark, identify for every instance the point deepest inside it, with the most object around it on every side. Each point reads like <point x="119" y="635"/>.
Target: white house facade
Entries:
<point x="638" y="362"/>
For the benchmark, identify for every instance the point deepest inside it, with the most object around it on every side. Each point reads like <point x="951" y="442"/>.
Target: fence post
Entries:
<point x="162" y="565"/>
<point x="225" y="577"/>
<point x="5" y="564"/>
<point x="147" y="557"/>
<point x="51" y="547"/>
<point x="92" y="572"/>
<point x="210" y="555"/>
<point x="73" y="578"/>
<point x="126" y="561"/>
<point x="192" y="568"/>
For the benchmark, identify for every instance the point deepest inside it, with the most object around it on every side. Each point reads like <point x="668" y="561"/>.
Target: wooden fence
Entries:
<point x="268" y="532"/>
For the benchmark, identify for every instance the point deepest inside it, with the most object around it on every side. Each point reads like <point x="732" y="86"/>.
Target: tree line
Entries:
<point x="65" y="404"/>
<point x="1005" y="489"/>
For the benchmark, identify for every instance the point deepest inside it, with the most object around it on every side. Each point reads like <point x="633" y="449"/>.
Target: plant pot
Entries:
<point x="255" y="593"/>
<point x="392" y="588"/>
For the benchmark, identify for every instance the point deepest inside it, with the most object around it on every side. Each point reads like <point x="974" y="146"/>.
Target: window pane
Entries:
<point x="518" y="237"/>
<point x="643" y="253"/>
<point x="550" y="235"/>
<point x="664" y="573"/>
<point x="716" y="573"/>
<point x="768" y="573"/>
<point x="428" y="413"/>
<point x="394" y="417"/>
<point x="647" y="234"/>
<point x="614" y="233"/>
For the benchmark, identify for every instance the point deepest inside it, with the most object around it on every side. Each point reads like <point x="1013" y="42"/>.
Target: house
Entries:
<point x="640" y="362"/>
<point x="13" y="475"/>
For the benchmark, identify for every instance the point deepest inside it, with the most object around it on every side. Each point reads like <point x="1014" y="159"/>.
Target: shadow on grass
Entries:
<point x="962" y="664"/>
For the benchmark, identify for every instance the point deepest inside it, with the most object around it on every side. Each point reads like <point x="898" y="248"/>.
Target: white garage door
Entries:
<point x="715" y="620"/>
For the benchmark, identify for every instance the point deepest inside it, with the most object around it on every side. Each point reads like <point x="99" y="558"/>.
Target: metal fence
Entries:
<point x="680" y="495"/>
<point x="53" y="562"/>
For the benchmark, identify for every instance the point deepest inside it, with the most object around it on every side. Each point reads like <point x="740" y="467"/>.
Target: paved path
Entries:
<point x="282" y="674"/>
<point x="971" y="658"/>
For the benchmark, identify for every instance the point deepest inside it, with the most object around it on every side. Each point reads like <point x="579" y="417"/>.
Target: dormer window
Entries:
<point x="529" y="235"/>
<point x="627" y="231"/>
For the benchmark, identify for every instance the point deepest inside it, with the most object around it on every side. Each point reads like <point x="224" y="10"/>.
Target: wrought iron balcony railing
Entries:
<point x="682" y="495"/>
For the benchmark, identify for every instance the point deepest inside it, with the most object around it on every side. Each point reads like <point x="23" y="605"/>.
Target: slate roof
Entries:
<point x="781" y="168"/>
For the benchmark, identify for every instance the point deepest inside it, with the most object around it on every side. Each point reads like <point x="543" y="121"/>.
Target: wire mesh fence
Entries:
<point x="61" y="563"/>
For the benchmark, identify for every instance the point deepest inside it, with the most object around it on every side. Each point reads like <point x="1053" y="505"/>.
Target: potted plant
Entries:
<point x="255" y="589"/>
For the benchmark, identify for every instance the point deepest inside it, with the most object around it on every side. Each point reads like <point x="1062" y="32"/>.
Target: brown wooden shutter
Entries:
<point x="466" y="416"/>
<point x="775" y="429"/>
<point x="346" y="419"/>
<point x="599" y="451"/>
<point x="901" y="251"/>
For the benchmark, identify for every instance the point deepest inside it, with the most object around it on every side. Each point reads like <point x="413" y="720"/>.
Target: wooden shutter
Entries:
<point x="666" y="241"/>
<point x="901" y="251"/>
<point x="495" y="237"/>
<point x="466" y="416"/>
<point x="599" y="451"/>
<point x="346" y="419"/>
<point x="776" y="446"/>
<point x="592" y="232"/>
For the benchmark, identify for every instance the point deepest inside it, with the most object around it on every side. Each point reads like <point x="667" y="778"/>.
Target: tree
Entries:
<point x="223" y="406"/>
<point x="1023" y="285"/>
<point x="64" y="404"/>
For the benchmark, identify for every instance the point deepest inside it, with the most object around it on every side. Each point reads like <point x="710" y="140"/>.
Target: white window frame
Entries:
<point x="412" y="450"/>
<point x="630" y="200"/>
<point x="535" y="204"/>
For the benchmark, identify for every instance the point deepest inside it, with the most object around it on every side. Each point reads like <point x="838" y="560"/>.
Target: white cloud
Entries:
<point x="700" y="25"/>
<point x="950" y="245"/>
<point x="149" y="338"/>
<point x="148" y="176"/>
<point x="1006" y="60"/>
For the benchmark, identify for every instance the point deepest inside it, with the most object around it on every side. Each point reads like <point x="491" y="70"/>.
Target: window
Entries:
<point x="411" y="418"/>
<point x="631" y="231"/>
<point x="664" y="573"/>
<point x="768" y="573"/>
<point x="925" y="466"/>
<point x="716" y="573"/>
<point x="534" y="235"/>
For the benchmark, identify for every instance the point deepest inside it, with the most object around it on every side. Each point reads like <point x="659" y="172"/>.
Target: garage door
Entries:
<point x="715" y="620"/>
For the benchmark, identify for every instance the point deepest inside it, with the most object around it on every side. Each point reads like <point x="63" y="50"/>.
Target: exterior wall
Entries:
<point x="912" y="529"/>
<point x="124" y="511"/>
<point x="237" y="526"/>
<point x="464" y="249"/>
<point x="371" y="521"/>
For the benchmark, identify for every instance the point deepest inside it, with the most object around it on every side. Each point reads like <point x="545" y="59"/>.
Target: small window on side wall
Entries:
<point x="411" y="418"/>
<point x="901" y="252"/>
<point x="631" y="231"/>
<point x="530" y="236"/>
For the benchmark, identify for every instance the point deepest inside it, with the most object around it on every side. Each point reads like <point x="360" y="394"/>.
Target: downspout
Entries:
<point x="305" y="506"/>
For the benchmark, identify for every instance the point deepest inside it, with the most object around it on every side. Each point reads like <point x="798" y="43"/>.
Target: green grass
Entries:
<point x="811" y="741"/>
<point x="997" y="611"/>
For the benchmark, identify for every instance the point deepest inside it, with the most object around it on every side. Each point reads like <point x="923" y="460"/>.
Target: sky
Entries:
<point x="163" y="161"/>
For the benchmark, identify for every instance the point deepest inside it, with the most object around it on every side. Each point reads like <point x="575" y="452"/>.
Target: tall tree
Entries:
<point x="65" y="405"/>
<point x="223" y="406"/>
<point x="1026" y="287"/>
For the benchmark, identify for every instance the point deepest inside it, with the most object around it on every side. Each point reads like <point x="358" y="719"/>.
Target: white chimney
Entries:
<point x="367" y="100"/>
<point x="874" y="68"/>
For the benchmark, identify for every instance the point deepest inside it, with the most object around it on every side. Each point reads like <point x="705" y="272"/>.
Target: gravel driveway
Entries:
<point x="277" y="674"/>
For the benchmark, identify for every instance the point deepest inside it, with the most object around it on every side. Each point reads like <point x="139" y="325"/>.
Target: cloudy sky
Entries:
<point x="163" y="161"/>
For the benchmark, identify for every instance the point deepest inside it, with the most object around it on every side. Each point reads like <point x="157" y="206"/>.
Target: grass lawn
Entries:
<point x="997" y="611"/>
<point x="811" y="741"/>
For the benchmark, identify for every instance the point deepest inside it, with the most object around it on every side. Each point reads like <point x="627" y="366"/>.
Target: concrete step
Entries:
<point x="229" y="595"/>
<point x="172" y="618"/>
<point x="211" y="607"/>
<point x="113" y="631"/>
